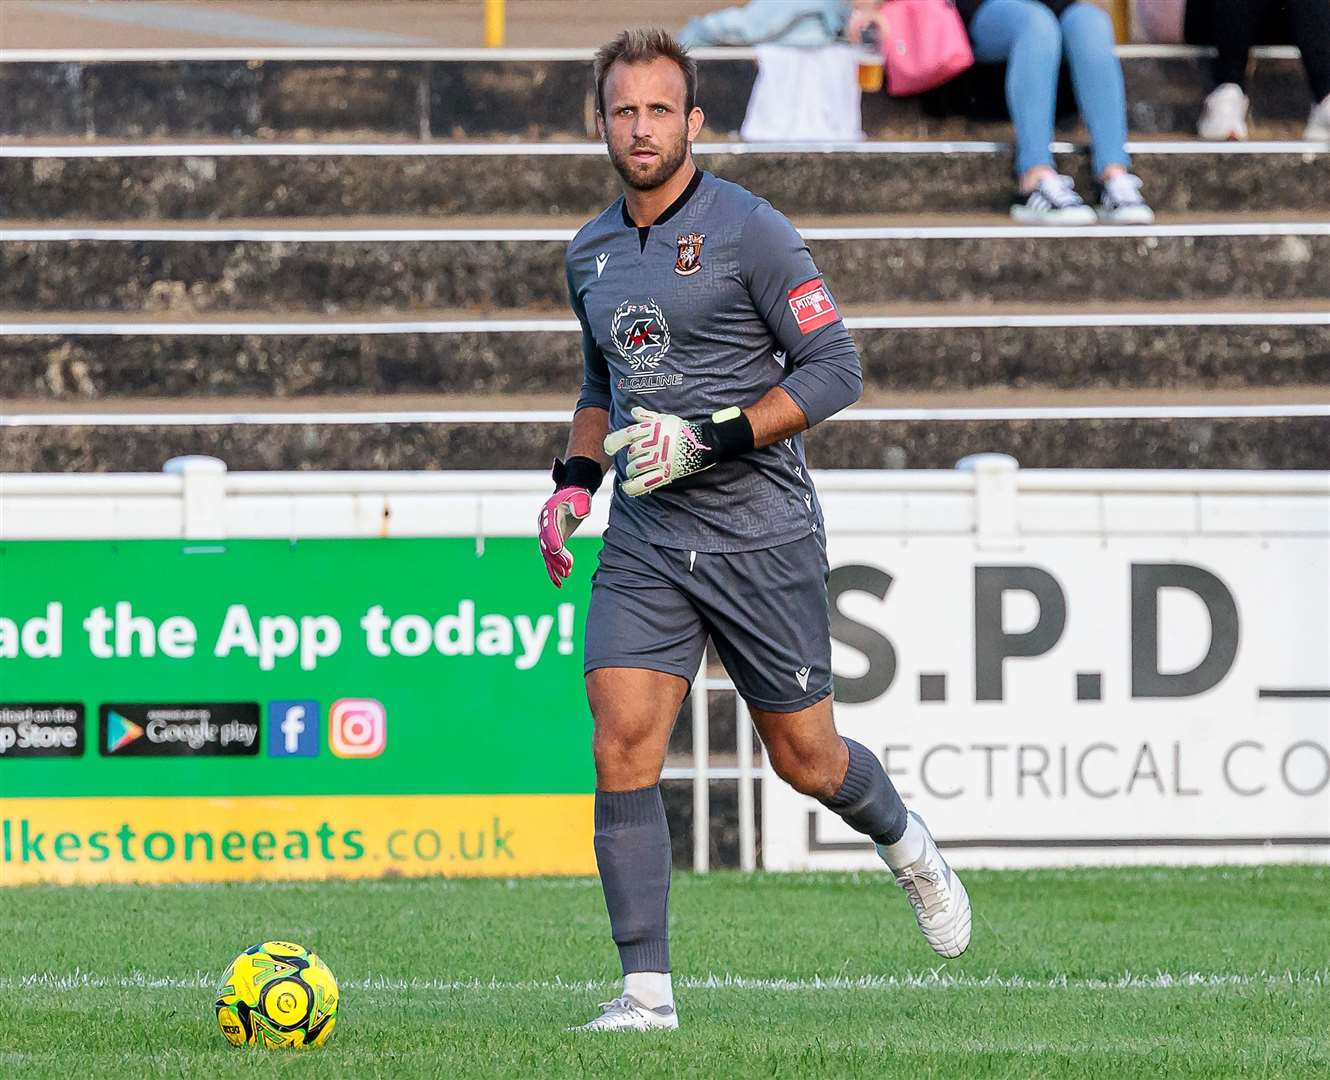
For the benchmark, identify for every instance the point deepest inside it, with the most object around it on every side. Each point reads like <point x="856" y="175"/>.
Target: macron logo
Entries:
<point x="601" y="260"/>
<point x="802" y="676"/>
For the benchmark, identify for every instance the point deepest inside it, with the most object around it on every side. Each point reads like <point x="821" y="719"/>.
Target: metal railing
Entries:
<point x="702" y="773"/>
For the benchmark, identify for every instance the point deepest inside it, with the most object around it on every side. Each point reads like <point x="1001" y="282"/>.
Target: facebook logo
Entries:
<point x="293" y="728"/>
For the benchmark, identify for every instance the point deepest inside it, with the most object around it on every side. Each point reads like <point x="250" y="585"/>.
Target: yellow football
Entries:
<point x="277" y="994"/>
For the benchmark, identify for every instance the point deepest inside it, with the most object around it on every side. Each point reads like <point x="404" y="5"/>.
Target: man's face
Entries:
<point x="645" y="127"/>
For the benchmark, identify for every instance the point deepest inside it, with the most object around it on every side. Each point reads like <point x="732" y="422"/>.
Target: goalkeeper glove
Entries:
<point x="663" y="448"/>
<point x="574" y="483"/>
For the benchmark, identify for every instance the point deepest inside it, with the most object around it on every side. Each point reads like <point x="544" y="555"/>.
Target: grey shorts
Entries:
<point x="766" y="611"/>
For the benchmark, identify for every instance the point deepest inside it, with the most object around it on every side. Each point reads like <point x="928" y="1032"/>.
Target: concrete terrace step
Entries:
<point x="926" y="349"/>
<point x="245" y="180"/>
<point x="1211" y="437"/>
<point x="403" y="270"/>
<point x="442" y="93"/>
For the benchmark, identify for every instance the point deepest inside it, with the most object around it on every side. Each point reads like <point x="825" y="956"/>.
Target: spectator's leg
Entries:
<point x="1310" y="22"/>
<point x="1236" y="23"/>
<point x="1025" y="35"/>
<point x="1096" y="76"/>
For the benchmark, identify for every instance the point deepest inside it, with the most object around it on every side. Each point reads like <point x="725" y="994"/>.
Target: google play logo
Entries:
<point x="120" y="732"/>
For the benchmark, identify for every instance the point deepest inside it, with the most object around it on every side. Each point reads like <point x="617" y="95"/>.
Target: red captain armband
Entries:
<point x="812" y="306"/>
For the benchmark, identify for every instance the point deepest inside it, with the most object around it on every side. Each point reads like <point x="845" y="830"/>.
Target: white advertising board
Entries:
<point x="1073" y="691"/>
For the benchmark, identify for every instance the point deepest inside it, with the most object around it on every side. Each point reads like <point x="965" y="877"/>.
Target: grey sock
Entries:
<point x="633" y="854"/>
<point x="867" y="799"/>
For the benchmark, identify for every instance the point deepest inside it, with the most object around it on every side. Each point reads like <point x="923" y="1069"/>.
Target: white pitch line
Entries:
<point x="596" y="149"/>
<point x="833" y="232"/>
<point x="552" y="416"/>
<point x="929" y="980"/>
<point x="548" y="326"/>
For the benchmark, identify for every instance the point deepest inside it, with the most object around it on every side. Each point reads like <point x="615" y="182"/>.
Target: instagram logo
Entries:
<point x="357" y="728"/>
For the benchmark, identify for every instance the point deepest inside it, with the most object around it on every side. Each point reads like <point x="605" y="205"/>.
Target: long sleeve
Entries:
<point x="595" y="372"/>
<point x="790" y="295"/>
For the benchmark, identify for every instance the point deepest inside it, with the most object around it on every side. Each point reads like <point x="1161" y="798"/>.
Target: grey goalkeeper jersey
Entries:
<point x="714" y="305"/>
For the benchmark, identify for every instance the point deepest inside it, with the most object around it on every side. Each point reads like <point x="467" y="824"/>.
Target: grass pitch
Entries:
<point x="1099" y="973"/>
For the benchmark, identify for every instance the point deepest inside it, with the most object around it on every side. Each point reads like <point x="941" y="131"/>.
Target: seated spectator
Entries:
<point x="807" y="78"/>
<point x="1233" y="27"/>
<point x="806" y="23"/>
<point x="1031" y="37"/>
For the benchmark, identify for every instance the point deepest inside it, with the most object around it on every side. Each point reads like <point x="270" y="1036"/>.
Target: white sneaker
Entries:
<point x="1121" y="203"/>
<point x="626" y="1013"/>
<point x="1318" y="124"/>
<point x="941" y="904"/>
<point x="1224" y="114"/>
<point x="1053" y="202"/>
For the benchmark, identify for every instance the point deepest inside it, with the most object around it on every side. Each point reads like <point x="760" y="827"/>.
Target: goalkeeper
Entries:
<point x="710" y="342"/>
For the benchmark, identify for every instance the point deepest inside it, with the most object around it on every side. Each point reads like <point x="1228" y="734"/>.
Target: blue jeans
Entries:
<point x="1031" y="40"/>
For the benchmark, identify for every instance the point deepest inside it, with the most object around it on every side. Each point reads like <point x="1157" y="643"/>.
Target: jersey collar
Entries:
<point x="669" y="211"/>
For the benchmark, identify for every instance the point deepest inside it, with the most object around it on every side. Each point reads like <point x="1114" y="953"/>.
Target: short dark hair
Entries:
<point x="638" y="46"/>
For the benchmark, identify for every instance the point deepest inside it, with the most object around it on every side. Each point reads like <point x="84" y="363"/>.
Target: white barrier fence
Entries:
<point x="1058" y="666"/>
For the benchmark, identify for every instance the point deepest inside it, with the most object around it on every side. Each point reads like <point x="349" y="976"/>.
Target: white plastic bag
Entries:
<point x="805" y="95"/>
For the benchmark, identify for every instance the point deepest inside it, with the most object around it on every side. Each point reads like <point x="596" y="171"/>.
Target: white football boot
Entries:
<point x="941" y="904"/>
<point x="626" y="1013"/>
<point x="1224" y="114"/>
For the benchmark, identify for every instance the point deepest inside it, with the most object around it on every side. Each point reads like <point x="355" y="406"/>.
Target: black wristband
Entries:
<point x="729" y="437"/>
<point x="580" y="472"/>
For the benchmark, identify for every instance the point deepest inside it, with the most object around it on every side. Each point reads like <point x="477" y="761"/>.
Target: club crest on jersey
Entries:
<point x="641" y="334"/>
<point x="689" y="261"/>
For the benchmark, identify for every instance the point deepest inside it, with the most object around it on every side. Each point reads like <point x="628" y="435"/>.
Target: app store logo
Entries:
<point x="41" y="729"/>
<point x="357" y="728"/>
<point x="293" y="729"/>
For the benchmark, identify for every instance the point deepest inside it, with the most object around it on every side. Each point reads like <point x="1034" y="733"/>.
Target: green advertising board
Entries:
<point x="420" y="694"/>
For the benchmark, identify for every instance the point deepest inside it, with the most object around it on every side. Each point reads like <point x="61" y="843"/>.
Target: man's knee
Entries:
<point x="634" y="711"/>
<point x="815" y="769"/>
<point x="613" y="744"/>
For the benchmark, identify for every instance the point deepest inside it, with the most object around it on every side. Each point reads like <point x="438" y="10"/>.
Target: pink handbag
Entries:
<point x="925" y="44"/>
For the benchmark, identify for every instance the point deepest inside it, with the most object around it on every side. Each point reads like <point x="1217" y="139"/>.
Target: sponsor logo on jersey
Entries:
<point x="812" y="306"/>
<point x="601" y="260"/>
<point x="689" y="261"/>
<point x="802" y="676"/>
<point x="640" y="333"/>
<point x="648" y="384"/>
